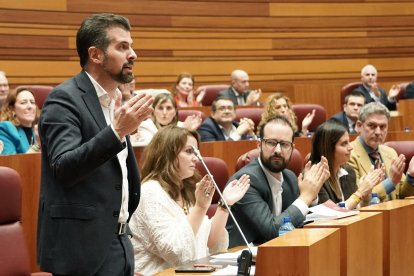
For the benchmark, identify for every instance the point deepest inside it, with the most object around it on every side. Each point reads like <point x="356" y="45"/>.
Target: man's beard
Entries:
<point x="274" y="166"/>
<point x="120" y="77"/>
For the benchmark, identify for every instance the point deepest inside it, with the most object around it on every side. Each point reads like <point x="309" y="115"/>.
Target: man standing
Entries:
<point x="373" y="92"/>
<point x="274" y="191"/>
<point x="221" y="125"/>
<point x="353" y="104"/>
<point x="90" y="182"/>
<point x="372" y="126"/>
<point x="4" y="88"/>
<point x="239" y="91"/>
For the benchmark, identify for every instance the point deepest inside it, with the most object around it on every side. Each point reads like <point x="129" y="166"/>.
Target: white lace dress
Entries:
<point x="162" y="235"/>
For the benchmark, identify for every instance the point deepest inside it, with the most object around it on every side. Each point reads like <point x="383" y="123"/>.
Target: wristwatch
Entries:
<point x="221" y="204"/>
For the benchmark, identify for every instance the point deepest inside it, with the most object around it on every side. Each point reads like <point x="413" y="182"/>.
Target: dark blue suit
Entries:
<point x="209" y="131"/>
<point x="254" y="212"/>
<point x="81" y="183"/>
<point x="341" y="118"/>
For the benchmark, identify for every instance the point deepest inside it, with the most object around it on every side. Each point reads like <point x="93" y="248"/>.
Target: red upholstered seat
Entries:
<point x="184" y="113"/>
<point x="295" y="164"/>
<point x="40" y="92"/>
<point x="347" y="89"/>
<point x="212" y="91"/>
<point x="14" y="258"/>
<point x="218" y="168"/>
<point x="254" y="113"/>
<point x="301" y="110"/>
<point x="403" y="147"/>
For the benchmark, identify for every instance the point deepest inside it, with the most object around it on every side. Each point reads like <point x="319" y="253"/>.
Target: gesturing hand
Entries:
<point x="236" y="189"/>
<point x="397" y="169"/>
<point x="127" y="117"/>
<point x="204" y="192"/>
<point x="313" y="179"/>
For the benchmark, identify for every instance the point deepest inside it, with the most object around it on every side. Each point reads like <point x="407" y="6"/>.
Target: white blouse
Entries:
<point x="162" y="235"/>
<point x="146" y="130"/>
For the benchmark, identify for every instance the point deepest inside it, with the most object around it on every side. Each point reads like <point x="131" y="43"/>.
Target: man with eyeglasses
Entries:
<point x="221" y="126"/>
<point x="369" y="151"/>
<point x="274" y="191"/>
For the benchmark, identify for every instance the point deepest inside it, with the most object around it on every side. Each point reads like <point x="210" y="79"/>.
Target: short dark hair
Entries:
<point x="214" y="103"/>
<point x="354" y="94"/>
<point x="93" y="32"/>
<point x="276" y="119"/>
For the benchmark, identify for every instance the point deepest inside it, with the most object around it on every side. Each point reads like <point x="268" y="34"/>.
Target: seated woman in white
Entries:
<point x="165" y="113"/>
<point x="170" y="226"/>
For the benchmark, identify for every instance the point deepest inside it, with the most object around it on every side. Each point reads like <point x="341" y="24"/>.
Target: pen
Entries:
<point x="207" y="265"/>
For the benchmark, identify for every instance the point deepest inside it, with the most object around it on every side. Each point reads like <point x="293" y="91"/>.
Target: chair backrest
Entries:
<point x="218" y="168"/>
<point x="403" y="147"/>
<point x="254" y="113"/>
<point x="212" y="91"/>
<point x="301" y="110"/>
<point x="347" y="89"/>
<point x="14" y="258"/>
<point x="295" y="164"/>
<point x="40" y="92"/>
<point x="184" y="113"/>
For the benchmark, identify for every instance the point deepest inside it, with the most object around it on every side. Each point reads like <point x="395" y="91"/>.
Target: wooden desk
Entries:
<point x="311" y="252"/>
<point x="398" y="235"/>
<point x="361" y="248"/>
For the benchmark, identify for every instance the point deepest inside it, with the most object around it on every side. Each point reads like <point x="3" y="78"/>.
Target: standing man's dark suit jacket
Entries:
<point x="229" y="93"/>
<point x="340" y="117"/>
<point x="409" y="91"/>
<point x="254" y="212"/>
<point x="209" y="131"/>
<point x="81" y="184"/>
<point x="383" y="97"/>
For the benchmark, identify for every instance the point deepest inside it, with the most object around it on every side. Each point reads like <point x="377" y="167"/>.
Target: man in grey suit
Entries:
<point x="239" y="91"/>
<point x="274" y="191"/>
<point x="90" y="182"/>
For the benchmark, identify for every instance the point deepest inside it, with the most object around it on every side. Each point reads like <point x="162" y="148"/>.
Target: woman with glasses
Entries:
<point x="279" y="104"/>
<point x="170" y="226"/>
<point x="331" y="140"/>
<point x="165" y="113"/>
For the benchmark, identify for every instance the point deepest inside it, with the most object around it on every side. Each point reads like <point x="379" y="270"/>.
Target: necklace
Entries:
<point x="183" y="206"/>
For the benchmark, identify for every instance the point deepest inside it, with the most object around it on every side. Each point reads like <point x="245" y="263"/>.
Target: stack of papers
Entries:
<point x="329" y="210"/>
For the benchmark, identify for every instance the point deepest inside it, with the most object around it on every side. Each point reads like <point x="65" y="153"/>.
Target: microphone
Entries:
<point x="244" y="261"/>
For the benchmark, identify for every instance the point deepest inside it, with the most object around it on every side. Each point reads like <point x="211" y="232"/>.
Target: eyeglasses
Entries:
<point x="271" y="144"/>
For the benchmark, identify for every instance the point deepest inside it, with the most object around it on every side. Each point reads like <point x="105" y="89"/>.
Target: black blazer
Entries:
<point x="383" y="97"/>
<point x="348" y="185"/>
<point x="254" y="211"/>
<point x="229" y="93"/>
<point x="81" y="180"/>
<point x="209" y="131"/>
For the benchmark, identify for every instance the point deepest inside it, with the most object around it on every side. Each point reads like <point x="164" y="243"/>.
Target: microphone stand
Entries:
<point x="244" y="261"/>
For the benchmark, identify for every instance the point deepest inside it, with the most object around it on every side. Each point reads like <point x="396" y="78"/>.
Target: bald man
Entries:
<point x="239" y="91"/>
